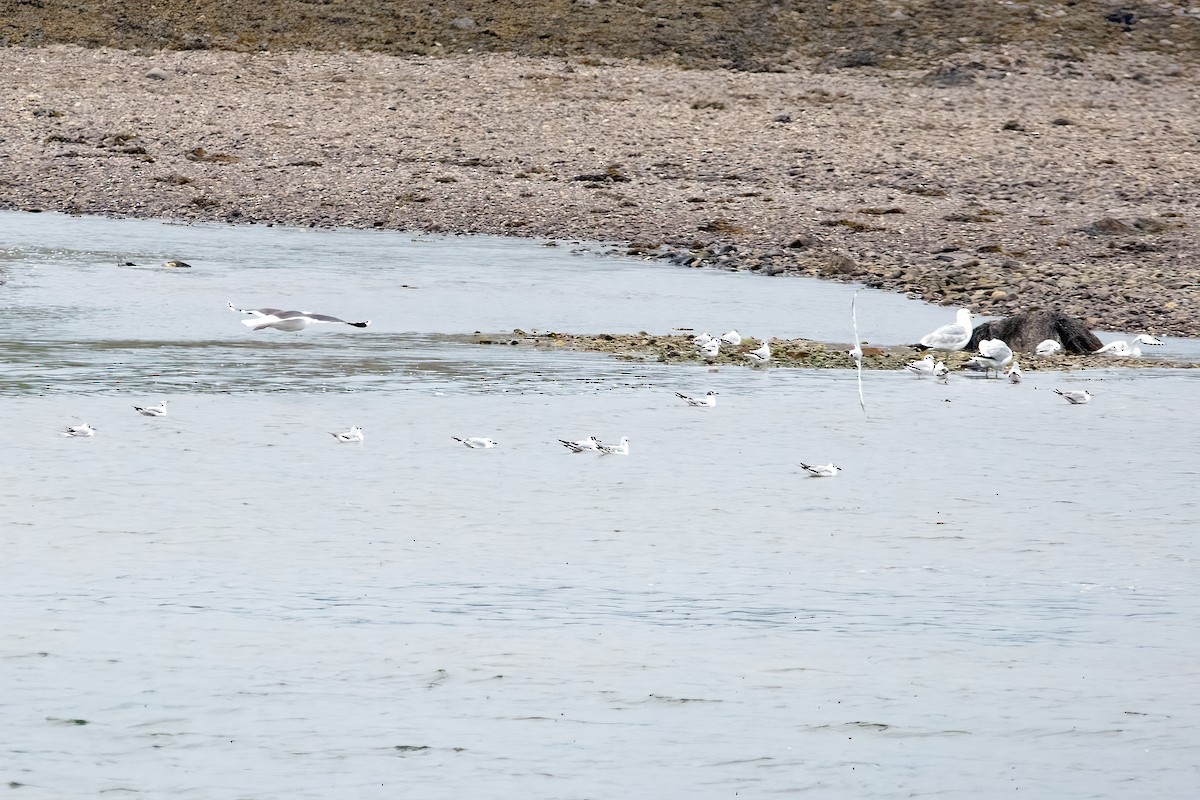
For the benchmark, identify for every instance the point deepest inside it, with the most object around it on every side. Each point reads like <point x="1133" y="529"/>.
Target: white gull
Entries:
<point x="355" y="434"/>
<point x="953" y="336"/>
<point x="278" y="319"/>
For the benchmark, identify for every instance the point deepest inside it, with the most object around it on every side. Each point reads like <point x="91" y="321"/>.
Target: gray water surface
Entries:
<point x="998" y="596"/>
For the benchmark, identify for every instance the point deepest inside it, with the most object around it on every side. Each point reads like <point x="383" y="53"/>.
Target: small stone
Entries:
<point x="463" y="24"/>
<point x="157" y="74"/>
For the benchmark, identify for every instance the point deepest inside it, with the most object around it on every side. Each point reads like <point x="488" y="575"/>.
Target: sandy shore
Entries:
<point x="1003" y="182"/>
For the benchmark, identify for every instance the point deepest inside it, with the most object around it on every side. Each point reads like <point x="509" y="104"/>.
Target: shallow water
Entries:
<point x="998" y="594"/>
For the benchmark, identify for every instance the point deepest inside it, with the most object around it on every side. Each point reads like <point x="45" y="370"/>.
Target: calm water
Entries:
<point x="998" y="596"/>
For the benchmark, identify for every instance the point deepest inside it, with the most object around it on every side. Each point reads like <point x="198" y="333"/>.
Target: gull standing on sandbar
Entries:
<point x="923" y="367"/>
<point x="288" y="320"/>
<point x="954" y="336"/>
<point x="760" y="356"/>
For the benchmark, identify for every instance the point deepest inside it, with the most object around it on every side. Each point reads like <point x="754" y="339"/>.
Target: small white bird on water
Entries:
<point x="1131" y="348"/>
<point x="709" y="399"/>
<point x="79" y="430"/>
<point x="760" y="356"/>
<point x="355" y="434"/>
<point x="589" y="444"/>
<point x="263" y="318"/>
<point x="925" y="366"/>
<point x="159" y="410"/>
<point x="821" y="470"/>
<point x="1075" y="398"/>
<point x="476" y="442"/>
<point x="621" y="449"/>
<point x="732" y="338"/>
<point x="954" y="336"/>
<point x="1048" y="347"/>
<point x="1014" y="372"/>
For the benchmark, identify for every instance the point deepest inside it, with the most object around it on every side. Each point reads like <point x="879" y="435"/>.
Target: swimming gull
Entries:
<point x="79" y="430"/>
<point x="176" y="264"/>
<point x="621" y="449"/>
<point x="590" y="443"/>
<point x="476" y="442"/>
<point x="288" y="320"/>
<point x="1075" y="398"/>
<point x="1131" y="348"/>
<point x="355" y="434"/>
<point x="159" y="410"/>
<point x="821" y="470"/>
<point x="709" y="399"/>
<point x="950" y="337"/>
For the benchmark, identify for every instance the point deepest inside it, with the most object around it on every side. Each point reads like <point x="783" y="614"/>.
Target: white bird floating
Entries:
<point x="355" y="434"/>
<point x="79" y="430"/>
<point x="1014" y="372"/>
<point x="709" y="399"/>
<point x="590" y="443"/>
<point x="760" y="356"/>
<point x="1131" y="348"/>
<point x="1075" y="398"/>
<point x="159" y="410"/>
<point x="288" y="320"/>
<point x="924" y="367"/>
<point x="732" y="338"/>
<point x="821" y="470"/>
<point x="1048" y="347"/>
<point x="993" y="355"/>
<point x="476" y="442"/>
<point x="954" y="336"/>
<point x="621" y="449"/>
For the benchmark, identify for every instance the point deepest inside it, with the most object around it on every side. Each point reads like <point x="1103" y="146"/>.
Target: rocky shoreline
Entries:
<point x="676" y="348"/>
<point x="1001" y="181"/>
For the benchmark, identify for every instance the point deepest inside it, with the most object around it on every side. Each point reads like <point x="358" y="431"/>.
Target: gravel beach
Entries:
<point x="1003" y="180"/>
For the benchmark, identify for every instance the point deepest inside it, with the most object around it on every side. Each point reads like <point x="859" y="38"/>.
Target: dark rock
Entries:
<point x="1124" y="17"/>
<point x="1107" y="226"/>
<point x="1024" y="332"/>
